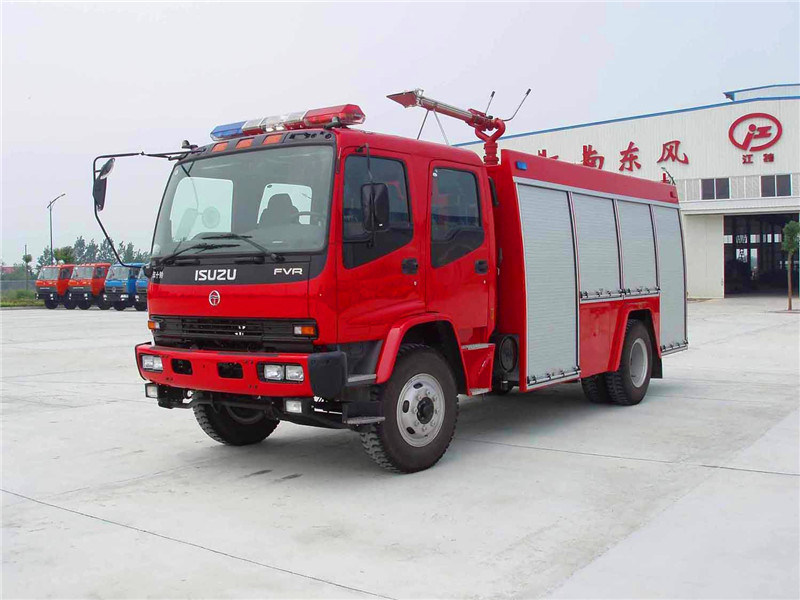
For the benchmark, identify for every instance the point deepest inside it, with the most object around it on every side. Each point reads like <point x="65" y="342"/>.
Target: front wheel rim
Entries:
<point x="420" y="410"/>
<point x="638" y="363"/>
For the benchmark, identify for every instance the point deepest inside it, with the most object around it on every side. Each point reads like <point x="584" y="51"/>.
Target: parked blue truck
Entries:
<point x="120" y="290"/>
<point x="140" y="299"/>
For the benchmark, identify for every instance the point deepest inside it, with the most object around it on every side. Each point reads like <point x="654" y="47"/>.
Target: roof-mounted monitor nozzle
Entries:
<point x="480" y="121"/>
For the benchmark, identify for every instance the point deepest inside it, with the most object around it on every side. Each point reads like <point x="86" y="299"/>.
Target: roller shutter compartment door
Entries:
<point x="598" y="251"/>
<point x="671" y="275"/>
<point x="638" y="248"/>
<point x="550" y="284"/>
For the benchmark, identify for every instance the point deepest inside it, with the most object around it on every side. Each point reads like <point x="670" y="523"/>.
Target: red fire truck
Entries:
<point x="310" y="272"/>
<point x="87" y="285"/>
<point x="51" y="285"/>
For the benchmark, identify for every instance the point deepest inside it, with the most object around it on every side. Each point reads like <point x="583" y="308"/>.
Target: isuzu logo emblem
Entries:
<point x="214" y="298"/>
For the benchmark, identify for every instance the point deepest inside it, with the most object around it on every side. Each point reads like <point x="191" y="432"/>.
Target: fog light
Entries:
<point x="273" y="372"/>
<point x="293" y="406"/>
<point x="151" y="363"/>
<point x="294" y="373"/>
<point x="151" y="390"/>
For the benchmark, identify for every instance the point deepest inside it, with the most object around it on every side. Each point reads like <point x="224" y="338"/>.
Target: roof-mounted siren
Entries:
<point x="332" y="116"/>
<point x="480" y="121"/>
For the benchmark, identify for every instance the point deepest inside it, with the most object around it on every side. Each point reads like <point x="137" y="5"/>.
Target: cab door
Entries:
<point x="379" y="275"/>
<point x="460" y="260"/>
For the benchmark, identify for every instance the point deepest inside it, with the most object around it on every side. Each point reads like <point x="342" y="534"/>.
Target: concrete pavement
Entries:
<point x="693" y="493"/>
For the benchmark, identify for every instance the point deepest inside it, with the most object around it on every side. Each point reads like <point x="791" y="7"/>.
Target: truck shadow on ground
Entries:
<point x="519" y="416"/>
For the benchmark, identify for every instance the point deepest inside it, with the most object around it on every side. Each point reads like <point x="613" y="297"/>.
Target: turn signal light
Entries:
<point x="305" y="330"/>
<point x="153" y="325"/>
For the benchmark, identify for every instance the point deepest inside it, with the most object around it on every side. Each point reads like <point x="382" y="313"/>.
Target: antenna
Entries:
<point x="525" y="97"/>
<point x="491" y="97"/>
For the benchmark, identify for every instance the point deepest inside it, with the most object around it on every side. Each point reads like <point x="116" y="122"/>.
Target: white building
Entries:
<point x="736" y="166"/>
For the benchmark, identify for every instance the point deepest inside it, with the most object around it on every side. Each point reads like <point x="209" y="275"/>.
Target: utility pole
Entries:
<point x="50" y="208"/>
<point x="25" y="266"/>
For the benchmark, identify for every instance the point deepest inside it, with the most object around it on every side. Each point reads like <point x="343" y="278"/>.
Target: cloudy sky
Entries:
<point x="84" y="79"/>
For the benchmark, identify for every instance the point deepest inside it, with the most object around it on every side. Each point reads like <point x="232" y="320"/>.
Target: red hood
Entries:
<point x="272" y="300"/>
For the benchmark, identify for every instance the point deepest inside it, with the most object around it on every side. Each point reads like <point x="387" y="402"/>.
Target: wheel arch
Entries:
<point x="644" y="315"/>
<point x="432" y="330"/>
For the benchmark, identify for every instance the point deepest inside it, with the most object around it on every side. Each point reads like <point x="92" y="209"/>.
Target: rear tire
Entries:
<point x="420" y="403"/>
<point x="628" y="384"/>
<point x="84" y="304"/>
<point x="595" y="389"/>
<point x="234" y="426"/>
<point x="120" y="306"/>
<point x="51" y="304"/>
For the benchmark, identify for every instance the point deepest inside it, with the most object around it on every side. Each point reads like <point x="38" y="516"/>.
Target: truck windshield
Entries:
<point x="48" y="273"/>
<point x="82" y="272"/>
<point x="278" y="197"/>
<point x="117" y="272"/>
<point x="141" y="275"/>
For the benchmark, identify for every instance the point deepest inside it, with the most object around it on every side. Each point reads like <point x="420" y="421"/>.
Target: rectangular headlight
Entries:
<point x="273" y="372"/>
<point x="294" y="373"/>
<point x="151" y="363"/>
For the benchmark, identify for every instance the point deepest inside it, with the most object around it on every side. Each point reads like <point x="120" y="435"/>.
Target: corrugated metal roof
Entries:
<point x="645" y="116"/>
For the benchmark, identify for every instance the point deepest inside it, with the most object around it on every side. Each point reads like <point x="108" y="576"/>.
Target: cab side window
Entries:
<point x="456" y="228"/>
<point x="358" y="247"/>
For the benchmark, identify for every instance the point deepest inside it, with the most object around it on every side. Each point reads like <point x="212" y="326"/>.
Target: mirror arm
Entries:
<point x="96" y="171"/>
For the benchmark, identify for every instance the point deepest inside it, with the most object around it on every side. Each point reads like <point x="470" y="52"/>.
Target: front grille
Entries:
<point x="263" y="334"/>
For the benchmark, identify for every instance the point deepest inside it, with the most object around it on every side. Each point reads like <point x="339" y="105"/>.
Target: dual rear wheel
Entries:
<point x="628" y="384"/>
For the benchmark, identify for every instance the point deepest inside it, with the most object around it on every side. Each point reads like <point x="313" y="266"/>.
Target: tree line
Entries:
<point x="79" y="252"/>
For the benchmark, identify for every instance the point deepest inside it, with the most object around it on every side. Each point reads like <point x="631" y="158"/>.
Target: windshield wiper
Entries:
<point x="171" y="257"/>
<point x="246" y="238"/>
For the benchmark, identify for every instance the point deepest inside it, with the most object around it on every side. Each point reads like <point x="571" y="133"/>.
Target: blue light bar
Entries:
<point x="226" y="132"/>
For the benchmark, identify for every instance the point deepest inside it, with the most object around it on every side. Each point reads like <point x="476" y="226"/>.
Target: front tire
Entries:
<point x="420" y="403"/>
<point x="51" y="304"/>
<point x="84" y="304"/>
<point x="70" y="304"/>
<point x="141" y="307"/>
<point x="628" y="384"/>
<point x="234" y="426"/>
<point x="120" y="306"/>
<point x="102" y="304"/>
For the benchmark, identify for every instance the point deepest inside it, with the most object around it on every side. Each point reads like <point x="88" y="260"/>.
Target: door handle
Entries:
<point x="410" y="266"/>
<point x="482" y="266"/>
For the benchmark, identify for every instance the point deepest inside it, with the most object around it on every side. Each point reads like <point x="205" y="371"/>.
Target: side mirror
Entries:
<point x="375" y="205"/>
<point x="100" y="184"/>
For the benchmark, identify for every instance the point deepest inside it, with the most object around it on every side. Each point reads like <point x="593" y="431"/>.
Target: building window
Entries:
<point x="715" y="189"/>
<point x="776" y="185"/>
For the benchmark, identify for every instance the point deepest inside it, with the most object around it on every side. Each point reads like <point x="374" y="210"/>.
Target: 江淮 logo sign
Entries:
<point x="755" y="132"/>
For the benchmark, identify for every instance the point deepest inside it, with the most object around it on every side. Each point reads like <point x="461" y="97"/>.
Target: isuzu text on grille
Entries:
<point x="215" y="274"/>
